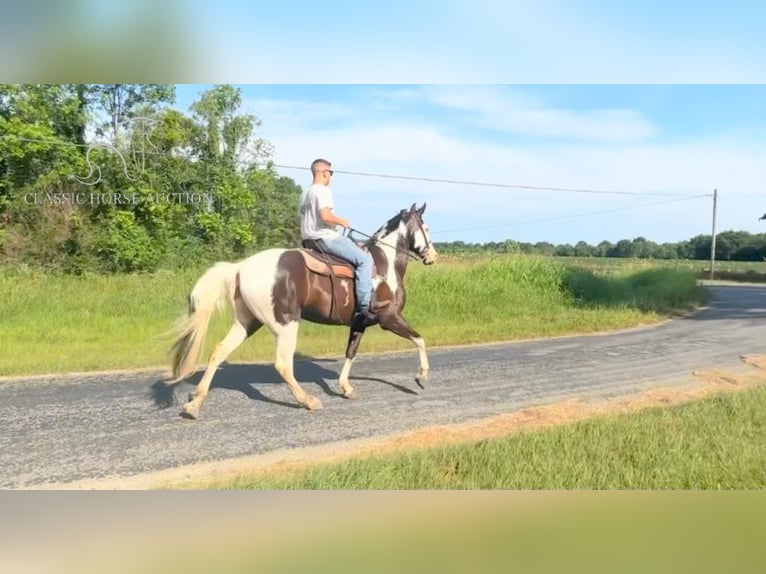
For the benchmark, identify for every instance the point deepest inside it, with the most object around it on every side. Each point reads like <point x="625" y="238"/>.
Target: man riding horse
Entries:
<point x="280" y="287"/>
<point x="318" y="225"/>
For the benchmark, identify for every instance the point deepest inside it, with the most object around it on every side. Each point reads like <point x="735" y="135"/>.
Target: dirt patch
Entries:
<point x="758" y="361"/>
<point x="703" y="384"/>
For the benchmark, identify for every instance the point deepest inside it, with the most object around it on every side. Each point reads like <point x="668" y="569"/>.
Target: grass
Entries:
<point x="58" y="323"/>
<point x="715" y="443"/>
<point x="750" y="271"/>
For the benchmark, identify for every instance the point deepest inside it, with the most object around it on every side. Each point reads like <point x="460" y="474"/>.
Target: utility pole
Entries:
<point x="712" y="242"/>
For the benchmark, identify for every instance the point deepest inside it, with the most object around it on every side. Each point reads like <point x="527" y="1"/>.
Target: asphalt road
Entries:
<point x="57" y="430"/>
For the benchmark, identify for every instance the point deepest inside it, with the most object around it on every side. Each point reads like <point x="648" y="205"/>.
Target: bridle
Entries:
<point x="407" y="252"/>
<point x="425" y="236"/>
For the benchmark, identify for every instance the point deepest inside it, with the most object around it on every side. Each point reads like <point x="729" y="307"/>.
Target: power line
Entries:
<point x="572" y="216"/>
<point x="489" y="184"/>
<point x="405" y="177"/>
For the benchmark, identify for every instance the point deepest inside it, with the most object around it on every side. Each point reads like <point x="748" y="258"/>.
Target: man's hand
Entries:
<point x="331" y="219"/>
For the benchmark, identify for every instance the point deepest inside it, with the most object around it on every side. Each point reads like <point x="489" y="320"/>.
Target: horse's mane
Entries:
<point x="388" y="227"/>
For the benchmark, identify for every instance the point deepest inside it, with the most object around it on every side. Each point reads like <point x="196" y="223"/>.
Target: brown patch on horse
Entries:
<point x="339" y="269"/>
<point x="290" y="286"/>
<point x="379" y="263"/>
<point x="237" y="291"/>
<point x="383" y="299"/>
<point x="300" y="293"/>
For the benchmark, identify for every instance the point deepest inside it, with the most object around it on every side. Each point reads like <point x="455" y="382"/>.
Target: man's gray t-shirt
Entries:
<point x="316" y="197"/>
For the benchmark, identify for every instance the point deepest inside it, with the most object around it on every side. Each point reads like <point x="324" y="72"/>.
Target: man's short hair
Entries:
<point x="315" y="165"/>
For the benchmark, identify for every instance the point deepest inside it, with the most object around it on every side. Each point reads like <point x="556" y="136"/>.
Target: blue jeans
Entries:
<point x="344" y="247"/>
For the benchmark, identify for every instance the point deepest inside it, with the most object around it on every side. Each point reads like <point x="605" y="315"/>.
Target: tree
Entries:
<point x="699" y="247"/>
<point x="582" y="249"/>
<point x="603" y="249"/>
<point x="564" y="250"/>
<point x="120" y="102"/>
<point x="41" y="127"/>
<point x="545" y="248"/>
<point x="623" y="248"/>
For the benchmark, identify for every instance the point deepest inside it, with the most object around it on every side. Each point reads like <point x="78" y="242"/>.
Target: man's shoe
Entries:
<point x="364" y="316"/>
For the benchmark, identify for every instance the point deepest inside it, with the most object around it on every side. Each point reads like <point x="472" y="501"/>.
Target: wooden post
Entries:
<point x="712" y="239"/>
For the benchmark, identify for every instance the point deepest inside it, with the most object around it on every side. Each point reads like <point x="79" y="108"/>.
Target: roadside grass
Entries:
<point x="63" y="323"/>
<point x="715" y="443"/>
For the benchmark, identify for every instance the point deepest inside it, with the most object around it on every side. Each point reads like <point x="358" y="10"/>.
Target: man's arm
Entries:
<point x="331" y="219"/>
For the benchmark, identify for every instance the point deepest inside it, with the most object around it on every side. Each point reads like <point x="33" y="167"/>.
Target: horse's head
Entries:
<point x="416" y="235"/>
<point x="407" y="233"/>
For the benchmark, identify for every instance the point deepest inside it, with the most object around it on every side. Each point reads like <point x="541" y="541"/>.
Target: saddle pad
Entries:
<point x="319" y="266"/>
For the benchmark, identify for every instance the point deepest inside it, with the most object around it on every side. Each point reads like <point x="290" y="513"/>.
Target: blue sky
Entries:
<point x="660" y="142"/>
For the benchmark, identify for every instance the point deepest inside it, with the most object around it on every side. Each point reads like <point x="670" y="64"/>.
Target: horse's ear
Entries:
<point x="422" y="209"/>
<point x="412" y="207"/>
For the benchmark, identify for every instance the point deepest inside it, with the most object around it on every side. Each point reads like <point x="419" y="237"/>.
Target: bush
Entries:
<point x="125" y="246"/>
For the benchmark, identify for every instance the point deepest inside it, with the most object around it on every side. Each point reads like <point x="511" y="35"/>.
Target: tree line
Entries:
<point x="112" y="178"/>
<point x="730" y="246"/>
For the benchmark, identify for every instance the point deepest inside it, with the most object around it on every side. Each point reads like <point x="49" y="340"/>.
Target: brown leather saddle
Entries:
<point x="319" y="261"/>
<point x="323" y="263"/>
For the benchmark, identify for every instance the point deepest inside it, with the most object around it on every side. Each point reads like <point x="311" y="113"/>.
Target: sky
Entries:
<point x="659" y="147"/>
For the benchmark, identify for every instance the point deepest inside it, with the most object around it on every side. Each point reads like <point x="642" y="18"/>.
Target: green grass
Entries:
<point x="716" y="443"/>
<point x="58" y="323"/>
<point x="754" y="271"/>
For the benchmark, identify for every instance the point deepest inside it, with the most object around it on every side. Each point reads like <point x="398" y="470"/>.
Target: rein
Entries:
<point x="397" y="249"/>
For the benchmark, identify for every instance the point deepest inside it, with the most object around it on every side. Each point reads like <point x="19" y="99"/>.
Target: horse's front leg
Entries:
<point x="354" y="338"/>
<point x="397" y="324"/>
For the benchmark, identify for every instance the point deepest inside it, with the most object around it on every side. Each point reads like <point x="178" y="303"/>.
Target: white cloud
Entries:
<point x="388" y="144"/>
<point x="517" y="111"/>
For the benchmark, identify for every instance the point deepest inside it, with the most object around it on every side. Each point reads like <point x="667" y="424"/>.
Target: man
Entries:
<point x="318" y="222"/>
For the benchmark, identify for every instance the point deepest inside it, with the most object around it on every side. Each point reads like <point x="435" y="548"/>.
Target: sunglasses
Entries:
<point x="329" y="171"/>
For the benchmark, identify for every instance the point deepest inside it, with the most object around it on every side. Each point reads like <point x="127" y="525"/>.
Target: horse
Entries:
<point x="279" y="287"/>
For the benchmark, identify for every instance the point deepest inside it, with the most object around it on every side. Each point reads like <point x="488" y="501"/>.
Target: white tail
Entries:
<point x="212" y="290"/>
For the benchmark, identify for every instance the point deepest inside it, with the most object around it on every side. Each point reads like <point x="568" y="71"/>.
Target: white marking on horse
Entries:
<point x="344" y="284"/>
<point x="387" y="244"/>
<point x="256" y="286"/>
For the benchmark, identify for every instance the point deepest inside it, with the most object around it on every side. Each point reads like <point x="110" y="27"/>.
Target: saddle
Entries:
<point x="317" y="260"/>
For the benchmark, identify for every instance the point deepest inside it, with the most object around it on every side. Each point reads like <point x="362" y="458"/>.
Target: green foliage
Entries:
<point x="661" y="289"/>
<point x="123" y="245"/>
<point x="121" y="102"/>
<point x="190" y="188"/>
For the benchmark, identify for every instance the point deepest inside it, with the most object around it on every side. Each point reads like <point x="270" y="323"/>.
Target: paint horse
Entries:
<point x="279" y="287"/>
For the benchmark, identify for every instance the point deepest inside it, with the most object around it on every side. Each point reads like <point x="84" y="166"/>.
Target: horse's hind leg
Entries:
<point x="287" y="338"/>
<point x="397" y="324"/>
<point x="244" y="326"/>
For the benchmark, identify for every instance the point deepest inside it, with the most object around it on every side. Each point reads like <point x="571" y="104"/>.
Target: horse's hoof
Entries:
<point x="352" y="394"/>
<point x="421" y="379"/>
<point x="191" y="411"/>
<point x="313" y="403"/>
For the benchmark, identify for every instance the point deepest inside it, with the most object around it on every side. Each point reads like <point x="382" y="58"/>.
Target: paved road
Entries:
<point x="70" y="428"/>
